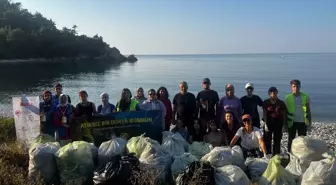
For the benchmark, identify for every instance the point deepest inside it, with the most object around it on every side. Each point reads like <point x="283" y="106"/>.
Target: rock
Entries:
<point x="131" y="58"/>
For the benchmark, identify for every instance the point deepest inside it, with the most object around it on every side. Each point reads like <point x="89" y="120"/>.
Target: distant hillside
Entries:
<point x="24" y="35"/>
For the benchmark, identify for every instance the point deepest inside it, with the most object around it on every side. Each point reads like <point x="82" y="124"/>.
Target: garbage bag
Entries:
<point x="41" y="139"/>
<point x="119" y="170"/>
<point x="308" y="149"/>
<point x="181" y="162"/>
<point x="108" y="149"/>
<point x="157" y="161"/>
<point x="219" y="156"/>
<point x="321" y="172"/>
<point x="238" y="157"/>
<point x="256" y="167"/>
<point x="174" y="143"/>
<point x="275" y="174"/>
<point x="296" y="167"/>
<point x="231" y="175"/>
<point x="137" y="145"/>
<point x="199" y="149"/>
<point x="197" y="173"/>
<point x="42" y="162"/>
<point x="75" y="161"/>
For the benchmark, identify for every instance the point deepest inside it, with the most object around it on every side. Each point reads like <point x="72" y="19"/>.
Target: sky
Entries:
<point x="199" y="26"/>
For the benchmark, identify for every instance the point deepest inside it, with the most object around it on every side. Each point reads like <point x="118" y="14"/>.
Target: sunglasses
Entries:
<point x="246" y="120"/>
<point x="250" y="89"/>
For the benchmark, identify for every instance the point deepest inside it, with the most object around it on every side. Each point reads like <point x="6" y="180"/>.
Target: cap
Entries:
<point x="206" y="80"/>
<point x="249" y="85"/>
<point x="272" y="89"/>
<point x="229" y="86"/>
<point x="246" y="116"/>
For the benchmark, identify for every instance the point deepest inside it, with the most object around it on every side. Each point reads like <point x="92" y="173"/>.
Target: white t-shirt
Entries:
<point x="299" y="114"/>
<point x="249" y="141"/>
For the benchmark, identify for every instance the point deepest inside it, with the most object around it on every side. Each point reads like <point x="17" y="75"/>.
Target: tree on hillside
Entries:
<point x="25" y="35"/>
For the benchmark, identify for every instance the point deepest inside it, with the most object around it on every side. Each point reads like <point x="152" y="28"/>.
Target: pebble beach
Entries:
<point x="324" y="131"/>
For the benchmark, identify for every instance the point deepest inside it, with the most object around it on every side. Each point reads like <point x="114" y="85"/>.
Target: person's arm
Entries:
<point x="261" y="142"/>
<point x="56" y="121"/>
<point x="240" y="109"/>
<point x="236" y="137"/>
<point x="193" y="105"/>
<point x="94" y="109"/>
<point x="265" y="112"/>
<point x="309" y="111"/>
<point x="260" y="102"/>
<point x="163" y="109"/>
<point x="216" y="103"/>
<point x="69" y="100"/>
<point x="174" y="108"/>
<point x="137" y="108"/>
<point x="169" y="109"/>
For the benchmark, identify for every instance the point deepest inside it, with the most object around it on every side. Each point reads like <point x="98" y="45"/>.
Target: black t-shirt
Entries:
<point x="184" y="105"/>
<point x="275" y="114"/>
<point x="209" y="98"/>
<point x="250" y="105"/>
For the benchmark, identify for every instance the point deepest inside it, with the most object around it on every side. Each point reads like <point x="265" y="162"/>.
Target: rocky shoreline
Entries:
<point x="324" y="131"/>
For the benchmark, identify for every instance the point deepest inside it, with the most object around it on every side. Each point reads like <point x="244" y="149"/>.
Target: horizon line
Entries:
<point x="179" y="54"/>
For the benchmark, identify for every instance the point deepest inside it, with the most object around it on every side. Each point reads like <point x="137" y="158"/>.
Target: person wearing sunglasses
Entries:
<point x="58" y="88"/>
<point x="152" y="103"/>
<point x="207" y="102"/>
<point x="250" y="104"/>
<point x="251" y="139"/>
<point x="231" y="103"/>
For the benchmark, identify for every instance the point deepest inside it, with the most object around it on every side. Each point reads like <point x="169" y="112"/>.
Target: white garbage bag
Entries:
<point x="219" y="156"/>
<point x="181" y="162"/>
<point x="199" y="149"/>
<point x="231" y="175"/>
<point x="296" y="167"/>
<point x="308" y="149"/>
<point x="238" y="157"/>
<point x="321" y="172"/>
<point x="157" y="160"/>
<point x="174" y="143"/>
<point x="256" y="167"/>
<point x="108" y="149"/>
<point x="41" y="161"/>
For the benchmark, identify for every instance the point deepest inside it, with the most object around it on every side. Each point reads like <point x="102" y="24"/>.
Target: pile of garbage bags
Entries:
<point x="118" y="161"/>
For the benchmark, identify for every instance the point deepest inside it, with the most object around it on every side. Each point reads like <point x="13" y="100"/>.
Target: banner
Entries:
<point x="127" y="124"/>
<point x="27" y="118"/>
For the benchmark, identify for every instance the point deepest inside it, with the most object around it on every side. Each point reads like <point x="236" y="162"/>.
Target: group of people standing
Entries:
<point x="226" y="121"/>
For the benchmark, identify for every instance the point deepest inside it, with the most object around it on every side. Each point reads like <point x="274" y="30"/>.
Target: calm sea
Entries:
<point x="316" y="72"/>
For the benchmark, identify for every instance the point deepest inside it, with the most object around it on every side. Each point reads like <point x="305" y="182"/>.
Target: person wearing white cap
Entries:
<point x="250" y="104"/>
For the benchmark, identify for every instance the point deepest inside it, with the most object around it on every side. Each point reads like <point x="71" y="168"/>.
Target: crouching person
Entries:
<point x="251" y="139"/>
<point x="181" y="129"/>
<point x="63" y="115"/>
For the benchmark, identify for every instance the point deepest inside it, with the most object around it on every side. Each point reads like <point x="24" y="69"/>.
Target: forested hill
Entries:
<point x="24" y="35"/>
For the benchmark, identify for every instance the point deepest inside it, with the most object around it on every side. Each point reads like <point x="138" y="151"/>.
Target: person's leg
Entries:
<point x="291" y="136"/>
<point x="268" y="141"/>
<point x="302" y="129"/>
<point x="277" y="136"/>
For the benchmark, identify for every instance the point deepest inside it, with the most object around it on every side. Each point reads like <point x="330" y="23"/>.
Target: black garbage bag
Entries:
<point x="118" y="170"/>
<point x="197" y="173"/>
